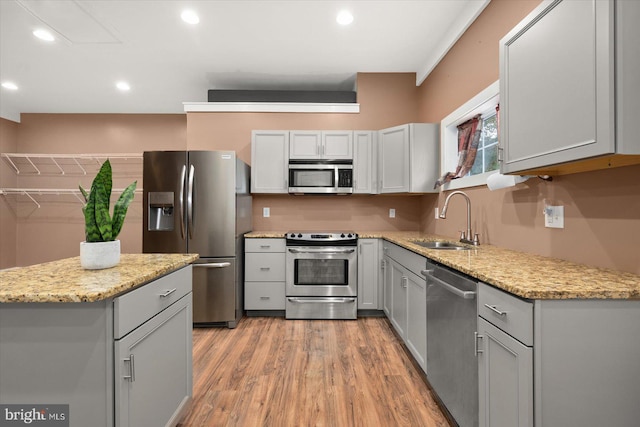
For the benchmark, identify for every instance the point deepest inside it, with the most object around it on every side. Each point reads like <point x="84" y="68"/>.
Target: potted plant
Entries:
<point x="101" y="249"/>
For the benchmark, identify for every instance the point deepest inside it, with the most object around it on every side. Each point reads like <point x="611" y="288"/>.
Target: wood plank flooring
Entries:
<point x="275" y="372"/>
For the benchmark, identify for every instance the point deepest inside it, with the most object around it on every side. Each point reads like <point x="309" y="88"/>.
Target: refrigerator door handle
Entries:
<point x="182" y="184"/>
<point x="212" y="265"/>
<point x="191" y="223"/>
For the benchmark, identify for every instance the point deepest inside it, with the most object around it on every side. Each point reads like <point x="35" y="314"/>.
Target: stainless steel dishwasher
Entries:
<point x="452" y="367"/>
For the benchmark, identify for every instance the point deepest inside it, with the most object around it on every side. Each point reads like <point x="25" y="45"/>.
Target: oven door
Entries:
<point x="321" y="271"/>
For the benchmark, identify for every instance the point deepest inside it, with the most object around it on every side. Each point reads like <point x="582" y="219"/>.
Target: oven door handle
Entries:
<point x="321" y="251"/>
<point x="316" y="300"/>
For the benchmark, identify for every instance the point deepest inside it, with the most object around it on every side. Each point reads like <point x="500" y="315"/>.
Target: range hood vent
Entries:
<point x="288" y="96"/>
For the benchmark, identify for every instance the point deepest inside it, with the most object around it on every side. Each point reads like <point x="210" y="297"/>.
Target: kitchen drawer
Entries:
<point x="136" y="307"/>
<point x="264" y="245"/>
<point x="264" y="296"/>
<point x="264" y="267"/>
<point x="517" y="315"/>
<point x="408" y="259"/>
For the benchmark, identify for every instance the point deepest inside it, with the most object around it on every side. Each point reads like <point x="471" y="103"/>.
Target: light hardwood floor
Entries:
<point x="275" y="372"/>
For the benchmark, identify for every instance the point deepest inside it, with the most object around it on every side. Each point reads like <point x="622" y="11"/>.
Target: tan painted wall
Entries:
<point x="55" y="230"/>
<point x="602" y="209"/>
<point x="8" y="179"/>
<point x="385" y="100"/>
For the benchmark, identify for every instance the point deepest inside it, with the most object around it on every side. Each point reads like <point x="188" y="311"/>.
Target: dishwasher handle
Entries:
<point x="447" y="286"/>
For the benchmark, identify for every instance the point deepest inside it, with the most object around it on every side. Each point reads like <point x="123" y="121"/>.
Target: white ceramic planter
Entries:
<point x="99" y="255"/>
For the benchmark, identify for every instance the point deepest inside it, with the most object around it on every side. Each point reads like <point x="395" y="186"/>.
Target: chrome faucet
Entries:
<point x="465" y="237"/>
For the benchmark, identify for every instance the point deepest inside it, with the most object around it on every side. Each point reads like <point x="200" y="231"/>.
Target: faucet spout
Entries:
<point x="468" y="236"/>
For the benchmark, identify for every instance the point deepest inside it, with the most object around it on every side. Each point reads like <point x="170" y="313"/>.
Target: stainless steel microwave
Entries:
<point x="321" y="177"/>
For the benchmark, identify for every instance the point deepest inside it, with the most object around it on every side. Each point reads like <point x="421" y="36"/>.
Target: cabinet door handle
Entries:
<point x="500" y="151"/>
<point x="476" y="347"/>
<point x="167" y="293"/>
<point x="405" y="281"/>
<point x="265" y="268"/>
<point x="265" y="298"/>
<point x="132" y="369"/>
<point x="265" y="246"/>
<point x="495" y="310"/>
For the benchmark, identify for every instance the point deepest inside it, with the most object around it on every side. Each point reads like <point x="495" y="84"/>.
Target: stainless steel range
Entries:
<point x="321" y="275"/>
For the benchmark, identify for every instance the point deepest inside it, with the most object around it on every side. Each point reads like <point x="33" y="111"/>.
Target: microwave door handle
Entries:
<point x="183" y="183"/>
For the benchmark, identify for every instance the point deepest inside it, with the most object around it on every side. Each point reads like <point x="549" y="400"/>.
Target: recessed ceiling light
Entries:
<point x="344" y="17"/>
<point x="190" y="17"/>
<point x="123" y="86"/>
<point x="10" y="85"/>
<point x="44" y="35"/>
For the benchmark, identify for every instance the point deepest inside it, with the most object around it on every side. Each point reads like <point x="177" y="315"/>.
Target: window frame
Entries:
<point x="479" y="104"/>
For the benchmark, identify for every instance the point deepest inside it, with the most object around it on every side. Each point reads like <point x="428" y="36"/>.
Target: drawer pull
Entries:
<point x="132" y="369"/>
<point x="265" y="268"/>
<point x="265" y="298"/>
<point x="265" y="246"/>
<point x="167" y="293"/>
<point x="495" y="310"/>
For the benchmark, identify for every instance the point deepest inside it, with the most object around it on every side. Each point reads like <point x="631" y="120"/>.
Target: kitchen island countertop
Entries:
<point x="66" y="281"/>
<point x="525" y="275"/>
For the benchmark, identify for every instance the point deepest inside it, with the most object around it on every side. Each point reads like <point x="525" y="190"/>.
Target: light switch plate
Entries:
<point x="392" y="213"/>
<point x="554" y="216"/>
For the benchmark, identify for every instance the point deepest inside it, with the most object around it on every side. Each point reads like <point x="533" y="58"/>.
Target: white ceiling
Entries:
<point x="241" y="44"/>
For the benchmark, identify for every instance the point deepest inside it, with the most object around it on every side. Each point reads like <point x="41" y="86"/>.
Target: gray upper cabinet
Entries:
<point x="269" y="161"/>
<point x="331" y="145"/>
<point x="408" y="158"/>
<point x="365" y="162"/>
<point x="570" y="88"/>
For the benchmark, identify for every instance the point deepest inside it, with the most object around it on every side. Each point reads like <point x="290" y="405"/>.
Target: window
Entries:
<point x="486" y="162"/>
<point x="487" y="155"/>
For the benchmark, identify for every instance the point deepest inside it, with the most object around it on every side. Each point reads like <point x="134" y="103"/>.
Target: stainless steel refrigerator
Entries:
<point x="199" y="202"/>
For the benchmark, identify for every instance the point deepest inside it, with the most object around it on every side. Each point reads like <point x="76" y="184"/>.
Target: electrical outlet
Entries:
<point x="554" y="216"/>
<point x="266" y="212"/>
<point x="392" y="213"/>
<point x="436" y="215"/>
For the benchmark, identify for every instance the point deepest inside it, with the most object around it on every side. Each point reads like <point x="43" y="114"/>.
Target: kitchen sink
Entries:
<point x="443" y="246"/>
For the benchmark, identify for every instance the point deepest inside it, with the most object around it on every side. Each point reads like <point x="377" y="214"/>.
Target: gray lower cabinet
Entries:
<point x="505" y="379"/>
<point x="264" y="274"/>
<point x="123" y="361"/>
<point x="557" y="362"/>
<point x="405" y="301"/>
<point x="153" y="369"/>
<point x="368" y="266"/>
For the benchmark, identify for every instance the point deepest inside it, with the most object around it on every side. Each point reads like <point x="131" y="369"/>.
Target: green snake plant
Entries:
<point x="99" y="225"/>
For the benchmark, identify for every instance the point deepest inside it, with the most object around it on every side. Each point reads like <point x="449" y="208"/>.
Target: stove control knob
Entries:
<point x="293" y="235"/>
<point x="342" y="235"/>
<point x="350" y="235"/>
<point x="300" y="236"/>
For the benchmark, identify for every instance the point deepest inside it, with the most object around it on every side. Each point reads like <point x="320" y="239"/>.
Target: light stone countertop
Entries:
<point x="66" y="281"/>
<point x="522" y="274"/>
